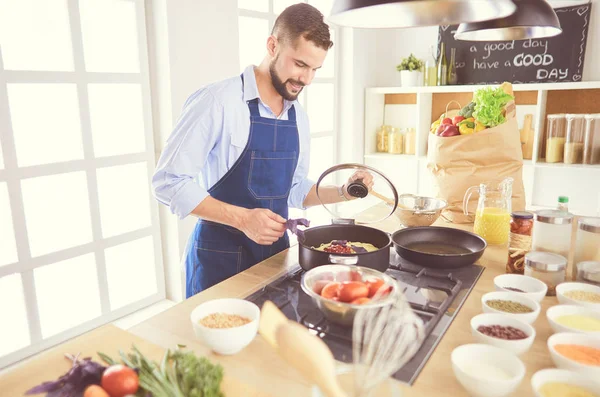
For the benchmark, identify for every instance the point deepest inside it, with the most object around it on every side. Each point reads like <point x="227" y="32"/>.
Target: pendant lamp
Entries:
<point x="533" y="19"/>
<point x="411" y="13"/>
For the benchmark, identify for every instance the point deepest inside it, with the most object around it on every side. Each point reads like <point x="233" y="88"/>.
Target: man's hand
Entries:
<point x="366" y="177"/>
<point x="262" y="226"/>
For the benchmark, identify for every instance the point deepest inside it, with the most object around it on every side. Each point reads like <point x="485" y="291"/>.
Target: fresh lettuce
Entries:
<point x="489" y="105"/>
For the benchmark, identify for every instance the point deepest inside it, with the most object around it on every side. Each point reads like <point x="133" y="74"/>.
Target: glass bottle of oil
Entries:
<point x="431" y="69"/>
<point x="442" y="66"/>
<point x="452" y="76"/>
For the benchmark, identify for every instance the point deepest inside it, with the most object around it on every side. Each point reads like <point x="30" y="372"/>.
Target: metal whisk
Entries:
<point x="383" y="340"/>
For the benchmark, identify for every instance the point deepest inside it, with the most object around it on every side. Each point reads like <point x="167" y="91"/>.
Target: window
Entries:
<point x="256" y="19"/>
<point x="79" y="234"/>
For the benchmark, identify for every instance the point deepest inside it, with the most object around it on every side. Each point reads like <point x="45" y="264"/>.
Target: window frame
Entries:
<point x="12" y="175"/>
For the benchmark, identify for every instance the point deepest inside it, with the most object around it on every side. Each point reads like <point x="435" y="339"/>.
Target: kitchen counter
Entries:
<point x="259" y="368"/>
<point x="258" y="365"/>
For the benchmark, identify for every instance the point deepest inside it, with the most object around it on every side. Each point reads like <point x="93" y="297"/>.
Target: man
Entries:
<point x="247" y="138"/>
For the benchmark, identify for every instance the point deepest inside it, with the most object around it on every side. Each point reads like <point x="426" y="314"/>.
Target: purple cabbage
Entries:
<point x="359" y="250"/>
<point x="292" y="226"/>
<point x="84" y="372"/>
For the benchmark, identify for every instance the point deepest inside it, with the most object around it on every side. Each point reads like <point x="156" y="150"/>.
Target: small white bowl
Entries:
<point x="534" y="288"/>
<point x="563" y="376"/>
<point x="557" y="311"/>
<point x="528" y="318"/>
<point x="468" y="362"/>
<point x="518" y="346"/>
<point x="563" y="288"/>
<point x="226" y="340"/>
<point x="572" y="338"/>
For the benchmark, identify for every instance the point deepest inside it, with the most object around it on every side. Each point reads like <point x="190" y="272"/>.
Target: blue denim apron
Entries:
<point x="260" y="178"/>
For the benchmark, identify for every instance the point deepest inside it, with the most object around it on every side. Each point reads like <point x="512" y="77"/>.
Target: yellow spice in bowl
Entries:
<point x="559" y="389"/>
<point x="579" y="322"/>
<point x="224" y="320"/>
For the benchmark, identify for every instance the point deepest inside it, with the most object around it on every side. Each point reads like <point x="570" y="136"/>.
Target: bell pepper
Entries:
<point x="479" y="126"/>
<point x="457" y="119"/>
<point x="447" y="130"/>
<point x="434" y="126"/>
<point x="466" y="127"/>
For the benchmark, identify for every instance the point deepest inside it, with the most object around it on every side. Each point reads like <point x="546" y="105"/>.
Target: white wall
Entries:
<point x="395" y="44"/>
<point x="191" y="43"/>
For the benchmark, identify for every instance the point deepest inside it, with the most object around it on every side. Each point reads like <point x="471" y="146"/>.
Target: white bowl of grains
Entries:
<point x="572" y="318"/>
<point x="226" y="325"/>
<point x="503" y="331"/>
<point x="581" y="294"/>
<point x="512" y="304"/>
<point x="528" y="286"/>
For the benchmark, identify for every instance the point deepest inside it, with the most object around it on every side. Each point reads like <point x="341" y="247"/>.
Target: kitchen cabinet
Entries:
<point x="417" y="107"/>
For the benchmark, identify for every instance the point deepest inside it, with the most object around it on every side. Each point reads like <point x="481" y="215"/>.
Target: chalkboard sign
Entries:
<point x="554" y="59"/>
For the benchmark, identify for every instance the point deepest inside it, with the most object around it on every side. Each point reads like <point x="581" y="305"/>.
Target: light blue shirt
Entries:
<point x="210" y="136"/>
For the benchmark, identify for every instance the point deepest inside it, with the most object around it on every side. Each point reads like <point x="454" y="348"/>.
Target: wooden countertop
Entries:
<point x="258" y="367"/>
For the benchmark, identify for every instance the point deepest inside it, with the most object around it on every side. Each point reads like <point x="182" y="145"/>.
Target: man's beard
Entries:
<point x="280" y="86"/>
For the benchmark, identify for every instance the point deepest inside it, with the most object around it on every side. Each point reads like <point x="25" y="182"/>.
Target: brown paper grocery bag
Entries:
<point x="460" y="162"/>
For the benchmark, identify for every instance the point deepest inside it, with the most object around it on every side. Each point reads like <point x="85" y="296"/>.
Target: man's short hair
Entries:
<point x="302" y="20"/>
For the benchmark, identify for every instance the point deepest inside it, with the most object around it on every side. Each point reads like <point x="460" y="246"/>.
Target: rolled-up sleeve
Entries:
<point x="185" y="154"/>
<point x="301" y="185"/>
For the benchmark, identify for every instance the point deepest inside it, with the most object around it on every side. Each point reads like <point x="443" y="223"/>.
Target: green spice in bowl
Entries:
<point x="513" y="304"/>
<point x="508" y="306"/>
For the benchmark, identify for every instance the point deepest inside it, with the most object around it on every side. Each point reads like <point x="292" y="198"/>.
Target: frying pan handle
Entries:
<point x="343" y="260"/>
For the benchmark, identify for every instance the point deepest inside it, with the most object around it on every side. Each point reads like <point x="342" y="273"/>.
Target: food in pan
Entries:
<point x="346" y="247"/>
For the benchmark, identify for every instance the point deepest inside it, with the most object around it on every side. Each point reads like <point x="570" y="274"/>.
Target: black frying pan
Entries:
<point x="438" y="247"/>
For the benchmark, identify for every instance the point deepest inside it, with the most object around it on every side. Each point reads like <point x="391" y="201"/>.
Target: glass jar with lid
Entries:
<point x="591" y="149"/>
<point x="588" y="272"/>
<point x="410" y="140"/>
<point x="587" y="242"/>
<point x="574" y="141"/>
<point x="555" y="137"/>
<point x="395" y="141"/>
<point x="519" y="241"/>
<point x="547" y="267"/>
<point x="552" y="232"/>
<point x="382" y="138"/>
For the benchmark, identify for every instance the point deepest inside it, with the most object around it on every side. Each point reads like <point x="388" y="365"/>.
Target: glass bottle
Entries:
<point x="442" y="66"/>
<point x="431" y="69"/>
<point x="395" y="141"/>
<point x="410" y="141"/>
<point x="563" y="203"/>
<point x="452" y="76"/>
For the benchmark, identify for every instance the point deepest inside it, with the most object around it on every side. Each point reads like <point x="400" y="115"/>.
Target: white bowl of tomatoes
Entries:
<point x="339" y="291"/>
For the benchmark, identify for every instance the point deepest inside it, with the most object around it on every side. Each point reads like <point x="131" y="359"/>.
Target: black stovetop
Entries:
<point x="435" y="295"/>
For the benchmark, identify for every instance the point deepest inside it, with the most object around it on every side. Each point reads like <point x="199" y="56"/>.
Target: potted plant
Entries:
<point x="411" y="69"/>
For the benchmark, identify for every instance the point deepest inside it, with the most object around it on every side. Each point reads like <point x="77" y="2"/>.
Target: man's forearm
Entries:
<point x="328" y="195"/>
<point x="215" y="210"/>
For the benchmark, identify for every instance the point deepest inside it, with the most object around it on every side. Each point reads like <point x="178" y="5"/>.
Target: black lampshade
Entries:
<point x="411" y="13"/>
<point x="532" y="19"/>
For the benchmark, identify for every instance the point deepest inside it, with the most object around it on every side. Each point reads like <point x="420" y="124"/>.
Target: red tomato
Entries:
<point x="120" y="380"/>
<point x="360" y="301"/>
<point x="352" y="290"/>
<point x="319" y="285"/>
<point x="95" y="391"/>
<point x="330" y="291"/>
<point x="375" y="284"/>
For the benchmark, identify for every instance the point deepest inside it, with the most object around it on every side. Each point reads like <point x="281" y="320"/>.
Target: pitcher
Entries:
<point x="492" y="219"/>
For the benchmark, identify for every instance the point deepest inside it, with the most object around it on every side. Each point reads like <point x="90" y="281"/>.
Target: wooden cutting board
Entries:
<point x="108" y="339"/>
